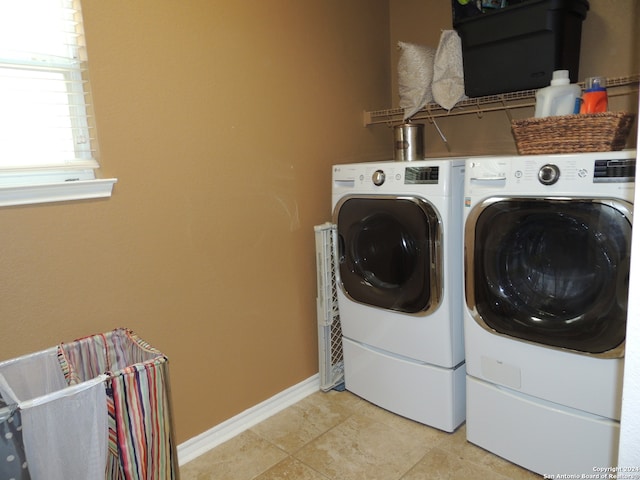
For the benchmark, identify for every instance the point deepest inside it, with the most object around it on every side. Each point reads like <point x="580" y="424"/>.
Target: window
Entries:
<point x="48" y="145"/>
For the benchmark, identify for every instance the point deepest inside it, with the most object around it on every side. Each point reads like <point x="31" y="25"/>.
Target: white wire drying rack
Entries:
<point x="331" y="361"/>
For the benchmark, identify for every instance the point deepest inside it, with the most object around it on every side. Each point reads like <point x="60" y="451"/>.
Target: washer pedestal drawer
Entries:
<point x="425" y="393"/>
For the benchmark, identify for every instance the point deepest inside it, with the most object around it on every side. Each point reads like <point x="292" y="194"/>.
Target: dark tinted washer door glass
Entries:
<point x="554" y="272"/>
<point x="385" y="257"/>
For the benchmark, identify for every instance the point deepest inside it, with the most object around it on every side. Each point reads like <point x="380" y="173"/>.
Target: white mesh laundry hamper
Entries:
<point x="64" y="428"/>
<point x="97" y="407"/>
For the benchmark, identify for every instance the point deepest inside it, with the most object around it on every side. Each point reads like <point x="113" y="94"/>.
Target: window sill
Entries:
<point x="11" y="195"/>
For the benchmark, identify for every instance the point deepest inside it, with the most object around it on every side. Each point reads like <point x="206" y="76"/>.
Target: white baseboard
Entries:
<point x="200" y="444"/>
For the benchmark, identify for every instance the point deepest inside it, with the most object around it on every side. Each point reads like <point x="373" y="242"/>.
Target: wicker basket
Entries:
<point x="596" y="132"/>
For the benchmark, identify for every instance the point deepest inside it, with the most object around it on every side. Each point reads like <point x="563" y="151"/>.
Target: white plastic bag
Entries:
<point x="448" y="75"/>
<point x="415" y="74"/>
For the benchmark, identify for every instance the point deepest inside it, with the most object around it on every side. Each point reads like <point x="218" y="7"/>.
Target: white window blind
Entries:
<point x="47" y="132"/>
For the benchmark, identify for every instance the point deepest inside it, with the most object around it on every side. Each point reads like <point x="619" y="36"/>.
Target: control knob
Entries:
<point x="378" y="177"/>
<point x="548" y="174"/>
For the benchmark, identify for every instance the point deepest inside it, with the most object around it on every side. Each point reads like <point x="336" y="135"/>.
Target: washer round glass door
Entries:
<point x="389" y="252"/>
<point x="552" y="271"/>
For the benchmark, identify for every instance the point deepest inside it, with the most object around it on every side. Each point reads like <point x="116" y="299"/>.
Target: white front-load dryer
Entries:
<point x="547" y="247"/>
<point x="399" y="237"/>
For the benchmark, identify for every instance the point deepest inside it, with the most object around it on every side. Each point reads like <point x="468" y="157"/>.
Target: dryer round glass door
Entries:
<point x="389" y="252"/>
<point x="553" y="272"/>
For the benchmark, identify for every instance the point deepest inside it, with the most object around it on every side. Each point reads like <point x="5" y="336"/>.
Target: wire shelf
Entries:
<point x="490" y="103"/>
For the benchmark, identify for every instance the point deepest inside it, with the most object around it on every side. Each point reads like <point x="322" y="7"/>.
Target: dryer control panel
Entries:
<point x="592" y="174"/>
<point x="620" y="170"/>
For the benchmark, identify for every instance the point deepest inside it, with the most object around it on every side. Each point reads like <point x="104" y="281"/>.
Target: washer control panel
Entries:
<point x="429" y="177"/>
<point x="412" y="176"/>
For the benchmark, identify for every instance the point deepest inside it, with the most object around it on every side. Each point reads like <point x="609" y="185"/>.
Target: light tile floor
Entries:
<point x="339" y="436"/>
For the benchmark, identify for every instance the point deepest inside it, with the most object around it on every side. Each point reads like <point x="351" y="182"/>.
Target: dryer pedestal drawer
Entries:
<point x="425" y="393"/>
<point x="541" y="436"/>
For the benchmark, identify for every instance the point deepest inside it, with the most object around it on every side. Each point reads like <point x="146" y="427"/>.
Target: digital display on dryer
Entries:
<point x="614" y="171"/>
<point x="421" y="175"/>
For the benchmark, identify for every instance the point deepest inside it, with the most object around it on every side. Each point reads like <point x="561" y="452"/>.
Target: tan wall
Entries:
<point x="221" y="121"/>
<point x="610" y="40"/>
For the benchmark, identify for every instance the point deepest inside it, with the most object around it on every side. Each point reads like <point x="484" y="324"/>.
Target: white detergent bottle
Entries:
<point x="559" y="98"/>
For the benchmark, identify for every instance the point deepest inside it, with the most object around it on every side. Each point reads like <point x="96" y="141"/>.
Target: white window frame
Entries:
<point x="61" y="180"/>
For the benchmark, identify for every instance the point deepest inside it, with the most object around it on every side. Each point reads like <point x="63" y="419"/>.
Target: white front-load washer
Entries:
<point x="547" y="243"/>
<point x="399" y="229"/>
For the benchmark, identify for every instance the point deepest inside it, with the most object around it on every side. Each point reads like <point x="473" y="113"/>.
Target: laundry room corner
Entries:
<point x="220" y="120"/>
<point x="484" y="299"/>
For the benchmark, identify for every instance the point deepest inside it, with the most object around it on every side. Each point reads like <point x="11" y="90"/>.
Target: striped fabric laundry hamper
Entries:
<point x="96" y="407"/>
<point x="141" y="442"/>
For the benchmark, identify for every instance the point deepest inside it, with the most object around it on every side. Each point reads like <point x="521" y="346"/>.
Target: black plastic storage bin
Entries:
<point x="518" y="47"/>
